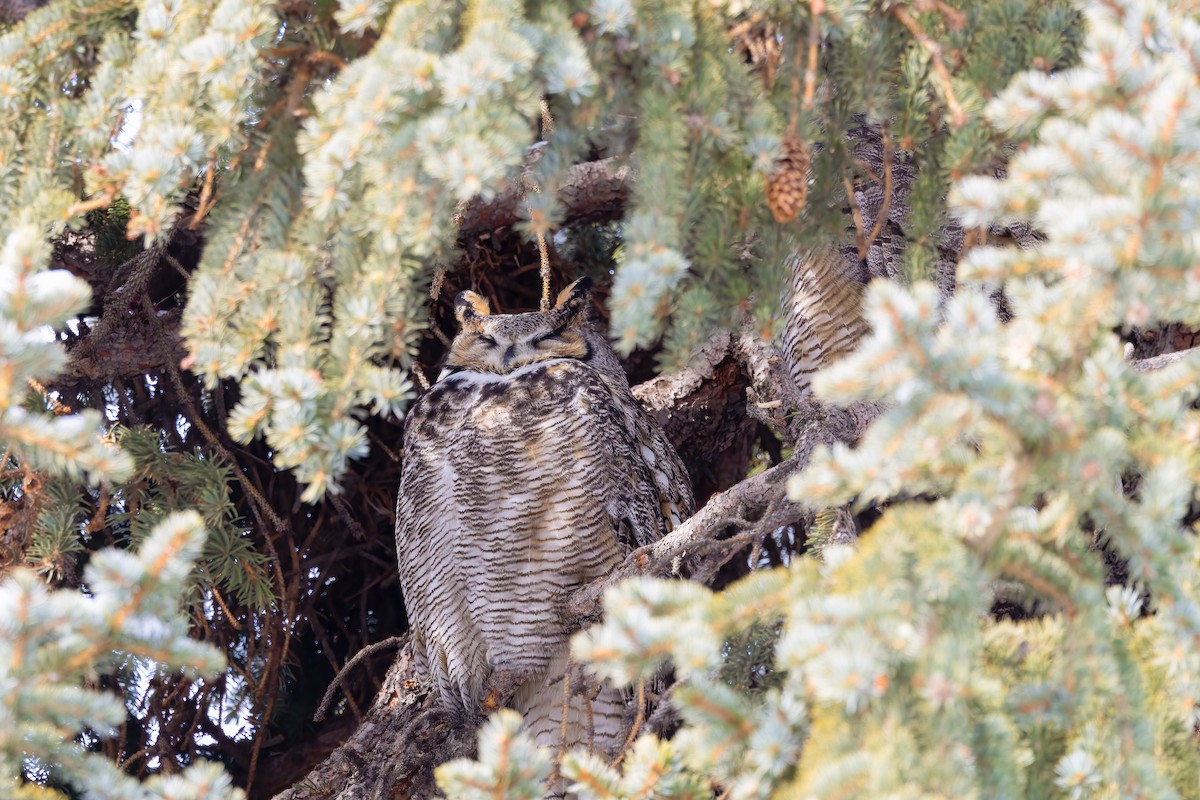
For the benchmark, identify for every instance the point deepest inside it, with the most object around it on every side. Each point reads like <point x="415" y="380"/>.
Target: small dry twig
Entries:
<point x="860" y="228"/>
<point x="958" y="117"/>
<point x="391" y="641"/>
<point x="207" y="200"/>
<point x="885" y="205"/>
<point x="637" y="723"/>
<point x="814" y="41"/>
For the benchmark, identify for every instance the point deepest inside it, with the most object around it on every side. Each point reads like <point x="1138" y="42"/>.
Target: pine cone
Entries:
<point x="787" y="186"/>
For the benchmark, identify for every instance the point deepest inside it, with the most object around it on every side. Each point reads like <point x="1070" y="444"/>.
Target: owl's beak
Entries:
<point x="509" y="354"/>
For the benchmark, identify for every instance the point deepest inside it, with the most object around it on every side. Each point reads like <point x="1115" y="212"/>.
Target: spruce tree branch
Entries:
<point x="277" y="656"/>
<point x="207" y="200"/>
<point x="260" y="733"/>
<point x="954" y="18"/>
<point x="101" y="200"/>
<point x="308" y="54"/>
<point x="128" y="283"/>
<point x="1022" y="573"/>
<point x="958" y="117"/>
<point x="260" y="502"/>
<point x="127" y="350"/>
<point x="175" y="265"/>
<point x="742" y="28"/>
<point x="199" y="715"/>
<point x="636" y="727"/>
<point x="327" y="649"/>
<point x="229" y="615"/>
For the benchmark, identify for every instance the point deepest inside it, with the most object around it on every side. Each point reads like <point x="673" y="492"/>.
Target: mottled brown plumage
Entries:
<point x="529" y="471"/>
<point x="824" y="314"/>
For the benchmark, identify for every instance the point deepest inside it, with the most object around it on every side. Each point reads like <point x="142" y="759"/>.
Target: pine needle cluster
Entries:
<point x="164" y="482"/>
<point x="54" y="643"/>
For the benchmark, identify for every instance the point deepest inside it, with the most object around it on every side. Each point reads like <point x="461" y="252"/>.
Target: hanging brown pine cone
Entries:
<point x="787" y="186"/>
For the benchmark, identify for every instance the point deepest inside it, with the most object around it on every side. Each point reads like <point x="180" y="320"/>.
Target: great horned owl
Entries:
<point x="529" y="471"/>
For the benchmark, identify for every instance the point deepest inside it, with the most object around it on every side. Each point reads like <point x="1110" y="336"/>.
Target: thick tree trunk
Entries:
<point x="395" y="749"/>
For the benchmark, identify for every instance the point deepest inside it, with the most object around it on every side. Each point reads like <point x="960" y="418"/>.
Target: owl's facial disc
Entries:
<point x="505" y="343"/>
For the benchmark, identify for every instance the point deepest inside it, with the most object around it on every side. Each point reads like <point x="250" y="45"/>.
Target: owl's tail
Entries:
<point x="596" y="710"/>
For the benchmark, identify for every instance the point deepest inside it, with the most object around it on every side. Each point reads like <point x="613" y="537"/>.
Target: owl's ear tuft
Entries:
<point x="470" y="306"/>
<point x="573" y="299"/>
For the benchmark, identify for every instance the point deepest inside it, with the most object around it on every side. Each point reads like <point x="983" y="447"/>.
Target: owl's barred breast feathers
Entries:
<point x="529" y="471"/>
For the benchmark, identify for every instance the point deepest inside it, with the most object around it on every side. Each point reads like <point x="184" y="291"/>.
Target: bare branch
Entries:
<point x="595" y="190"/>
<point x="124" y="351"/>
<point x="391" y="641"/>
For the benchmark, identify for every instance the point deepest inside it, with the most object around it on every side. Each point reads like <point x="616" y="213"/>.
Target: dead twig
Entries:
<point x="814" y="41"/>
<point x="391" y="641"/>
<point x="958" y="117"/>
<point x="637" y="723"/>
<point x="889" y="153"/>
<point x="207" y="200"/>
<point x="860" y="228"/>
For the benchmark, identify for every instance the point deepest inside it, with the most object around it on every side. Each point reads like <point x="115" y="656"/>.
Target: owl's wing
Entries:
<point x="661" y="467"/>
<point x="517" y="490"/>
<point x="426" y="526"/>
<point x="824" y="313"/>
